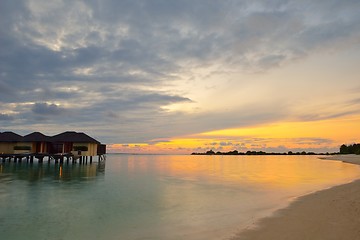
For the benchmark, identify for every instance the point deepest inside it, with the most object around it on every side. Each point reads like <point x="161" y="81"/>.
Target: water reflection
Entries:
<point x="280" y="172"/>
<point x="155" y="197"/>
<point x="55" y="172"/>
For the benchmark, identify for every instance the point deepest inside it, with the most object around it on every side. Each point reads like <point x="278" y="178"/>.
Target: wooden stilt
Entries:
<point x="41" y="157"/>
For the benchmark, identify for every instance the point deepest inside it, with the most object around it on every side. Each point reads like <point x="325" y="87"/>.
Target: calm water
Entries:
<point x="156" y="197"/>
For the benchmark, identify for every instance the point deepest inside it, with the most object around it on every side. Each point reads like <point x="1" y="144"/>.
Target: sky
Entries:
<point x="171" y="76"/>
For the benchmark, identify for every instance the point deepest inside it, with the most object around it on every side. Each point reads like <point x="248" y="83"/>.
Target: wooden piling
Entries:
<point x="40" y="158"/>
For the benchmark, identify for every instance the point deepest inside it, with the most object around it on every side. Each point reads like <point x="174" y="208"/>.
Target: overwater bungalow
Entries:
<point x="8" y="142"/>
<point x="38" y="142"/>
<point x="75" y="143"/>
<point x="70" y="143"/>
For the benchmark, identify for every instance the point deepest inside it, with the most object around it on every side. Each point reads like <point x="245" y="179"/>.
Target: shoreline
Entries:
<point x="350" y="158"/>
<point x="331" y="213"/>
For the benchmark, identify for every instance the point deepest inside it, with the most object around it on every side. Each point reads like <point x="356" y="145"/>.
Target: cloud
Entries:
<point x="355" y="101"/>
<point x="226" y="144"/>
<point x="6" y="117"/>
<point x="47" y="109"/>
<point x="116" y="64"/>
<point x="5" y="91"/>
<point x="312" y="141"/>
<point x="111" y="115"/>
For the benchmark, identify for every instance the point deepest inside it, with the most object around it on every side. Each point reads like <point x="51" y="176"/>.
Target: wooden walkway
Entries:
<point x="57" y="158"/>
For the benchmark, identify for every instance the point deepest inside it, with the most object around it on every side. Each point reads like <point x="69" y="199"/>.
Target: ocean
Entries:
<point x="160" y="197"/>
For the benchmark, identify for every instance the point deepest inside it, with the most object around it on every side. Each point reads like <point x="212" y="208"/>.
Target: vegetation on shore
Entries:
<point x="350" y="149"/>
<point x="344" y="149"/>
<point x="235" y="152"/>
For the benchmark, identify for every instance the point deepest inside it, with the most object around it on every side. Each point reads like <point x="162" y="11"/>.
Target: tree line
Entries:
<point x="350" y="149"/>
<point x="235" y="152"/>
<point x="344" y="149"/>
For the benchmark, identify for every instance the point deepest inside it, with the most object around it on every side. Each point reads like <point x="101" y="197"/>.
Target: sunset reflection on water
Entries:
<point x="272" y="171"/>
<point x="163" y="197"/>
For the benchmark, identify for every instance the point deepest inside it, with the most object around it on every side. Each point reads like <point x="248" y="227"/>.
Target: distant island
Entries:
<point x="344" y="149"/>
<point x="235" y="152"/>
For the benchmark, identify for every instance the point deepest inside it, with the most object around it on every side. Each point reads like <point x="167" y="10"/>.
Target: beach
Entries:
<point x="328" y="214"/>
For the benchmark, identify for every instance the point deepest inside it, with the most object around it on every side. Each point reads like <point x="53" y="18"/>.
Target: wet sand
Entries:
<point x="331" y="214"/>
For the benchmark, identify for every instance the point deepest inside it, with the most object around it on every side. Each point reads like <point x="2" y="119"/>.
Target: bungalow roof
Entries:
<point x="36" y="137"/>
<point x="10" y="137"/>
<point x="72" y="136"/>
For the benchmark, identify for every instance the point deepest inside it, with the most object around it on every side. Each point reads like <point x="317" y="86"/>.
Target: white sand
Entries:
<point x="331" y="214"/>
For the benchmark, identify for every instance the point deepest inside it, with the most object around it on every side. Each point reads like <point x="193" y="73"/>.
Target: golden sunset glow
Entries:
<point x="342" y="129"/>
<point x="289" y="135"/>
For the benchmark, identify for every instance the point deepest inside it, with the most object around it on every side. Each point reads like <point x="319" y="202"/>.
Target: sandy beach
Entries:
<point x="351" y="158"/>
<point x="328" y="214"/>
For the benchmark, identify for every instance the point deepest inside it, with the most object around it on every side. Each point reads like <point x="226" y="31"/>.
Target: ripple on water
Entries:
<point x="155" y="197"/>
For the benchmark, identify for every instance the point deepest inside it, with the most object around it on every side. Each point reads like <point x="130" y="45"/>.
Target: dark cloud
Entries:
<point x="108" y="61"/>
<point x="5" y="91"/>
<point x="111" y="115"/>
<point x="47" y="109"/>
<point x="6" y="117"/>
